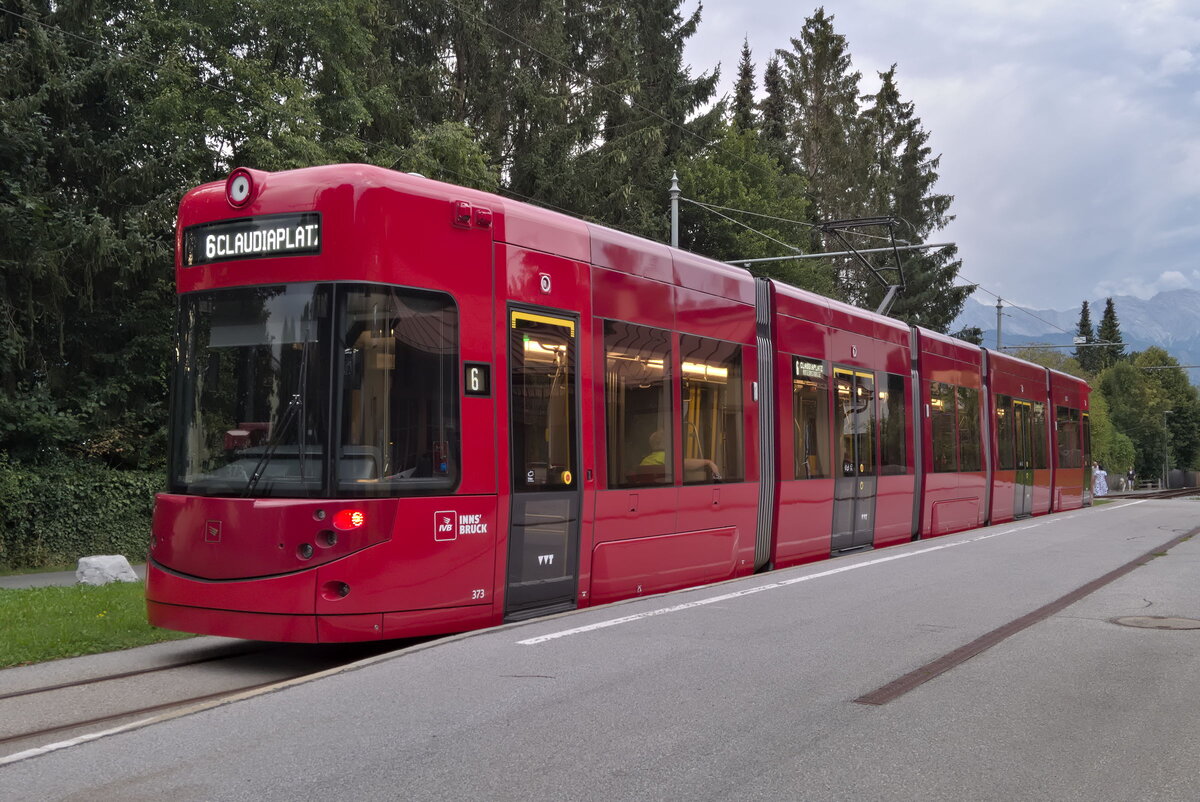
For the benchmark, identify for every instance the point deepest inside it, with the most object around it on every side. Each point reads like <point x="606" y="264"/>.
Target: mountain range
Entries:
<point x="1170" y="320"/>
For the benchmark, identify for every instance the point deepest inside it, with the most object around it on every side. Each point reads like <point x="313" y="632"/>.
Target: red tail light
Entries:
<point x="346" y="520"/>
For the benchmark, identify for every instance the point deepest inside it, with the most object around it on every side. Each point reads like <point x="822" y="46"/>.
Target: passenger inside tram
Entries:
<point x="658" y="456"/>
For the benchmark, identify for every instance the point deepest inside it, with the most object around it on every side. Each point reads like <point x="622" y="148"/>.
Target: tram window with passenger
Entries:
<point x="712" y="410"/>
<point x="637" y="404"/>
<point x="810" y="421"/>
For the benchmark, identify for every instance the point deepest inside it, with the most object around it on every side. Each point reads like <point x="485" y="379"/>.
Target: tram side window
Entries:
<point x="941" y="421"/>
<point x="810" y="418"/>
<point x="1005" y="456"/>
<point x="970" y="452"/>
<point x="711" y="380"/>
<point x="637" y="405"/>
<point x="893" y="425"/>
<point x="1039" y="437"/>
<point x="1070" y="452"/>
<point x="399" y="413"/>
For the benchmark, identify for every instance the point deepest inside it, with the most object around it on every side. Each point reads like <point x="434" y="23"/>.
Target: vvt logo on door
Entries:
<point x="545" y="559"/>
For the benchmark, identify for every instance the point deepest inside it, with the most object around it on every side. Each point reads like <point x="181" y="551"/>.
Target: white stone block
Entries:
<point x="103" y="569"/>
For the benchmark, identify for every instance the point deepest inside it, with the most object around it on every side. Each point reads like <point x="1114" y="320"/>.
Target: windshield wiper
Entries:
<point x="294" y="411"/>
<point x="289" y="415"/>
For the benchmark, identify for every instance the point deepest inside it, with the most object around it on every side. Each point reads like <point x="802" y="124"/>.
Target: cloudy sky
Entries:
<point x="1069" y="130"/>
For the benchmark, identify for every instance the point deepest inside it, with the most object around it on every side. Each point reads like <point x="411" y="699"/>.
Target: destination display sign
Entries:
<point x="252" y="238"/>
<point x="807" y="368"/>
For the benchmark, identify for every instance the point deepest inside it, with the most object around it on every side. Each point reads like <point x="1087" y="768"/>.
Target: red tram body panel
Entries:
<point x="952" y="434"/>
<point x="1072" y="487"/>
<point x="404" y="408"/>
<point x="1018" y="400"/>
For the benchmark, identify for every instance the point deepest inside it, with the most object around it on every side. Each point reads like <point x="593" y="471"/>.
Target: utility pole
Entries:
<point x="675" y="193"/>
<point x="999" y="314"/>
<point x="1166" y="439"/>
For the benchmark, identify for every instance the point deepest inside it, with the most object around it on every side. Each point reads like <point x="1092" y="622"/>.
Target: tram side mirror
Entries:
<point x="352" y="368"/>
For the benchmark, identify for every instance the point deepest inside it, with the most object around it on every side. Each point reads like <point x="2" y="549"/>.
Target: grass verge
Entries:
<point x="51" y="623"/>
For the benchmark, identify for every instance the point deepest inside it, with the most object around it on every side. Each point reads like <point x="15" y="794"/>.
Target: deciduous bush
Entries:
<point x="57" y="512"/>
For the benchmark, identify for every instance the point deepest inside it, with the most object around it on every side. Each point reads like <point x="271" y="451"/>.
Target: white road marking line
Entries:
<point x="82" y="739"/>
<point x="612" y="622"/>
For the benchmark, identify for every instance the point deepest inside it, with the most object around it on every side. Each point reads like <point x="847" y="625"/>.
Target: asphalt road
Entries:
<point x="742" y="691"/>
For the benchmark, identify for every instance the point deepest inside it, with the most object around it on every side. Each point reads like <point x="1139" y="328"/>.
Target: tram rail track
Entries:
<point x="127" y="674"/>
<point x="1179" y="492"/>
<point x="92" y="701"/>
<point x="141" y="711"/>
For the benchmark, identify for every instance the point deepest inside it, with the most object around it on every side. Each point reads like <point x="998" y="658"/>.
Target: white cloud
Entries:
<point x="1175" y="62"/>
<point x="1145" y="288"/>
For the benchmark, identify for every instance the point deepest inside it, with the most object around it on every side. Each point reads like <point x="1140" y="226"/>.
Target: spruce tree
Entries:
<point x="1087" y="354"/>
<point x="822" y="90"/>
<point x="743" y="92"/>
<point x="774" y="116"/>
<point x="1109" y="333"/>
<point x="899" y="182"/>
<point x="651" y="120"/>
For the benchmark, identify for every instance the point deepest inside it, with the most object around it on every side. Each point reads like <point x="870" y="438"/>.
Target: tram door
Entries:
<point x="854" y="485"/>
<point x="543" y="542"/>
<point x="1023" y="455"/>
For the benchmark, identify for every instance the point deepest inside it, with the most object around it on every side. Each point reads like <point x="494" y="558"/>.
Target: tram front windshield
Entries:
<point x="315" y="390"/>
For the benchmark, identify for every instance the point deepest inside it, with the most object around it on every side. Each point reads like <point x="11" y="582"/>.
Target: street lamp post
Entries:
<point x="1166" y="440"/>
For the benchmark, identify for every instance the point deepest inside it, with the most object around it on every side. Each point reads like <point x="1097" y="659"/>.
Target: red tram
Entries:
<point x="403" y="408"/>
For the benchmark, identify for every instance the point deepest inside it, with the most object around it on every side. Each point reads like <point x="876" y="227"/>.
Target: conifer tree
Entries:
<point x="822" y="90"/>
<point x="650" y="120"/>
<point x="1109" y="333"/>
<point x="774" y="115"/>
<point x="1087" y="354"/>
<point x="899" y="180"/>
<point x="743" y="92"/>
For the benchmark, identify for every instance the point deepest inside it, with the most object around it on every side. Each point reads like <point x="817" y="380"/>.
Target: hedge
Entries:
<point x="53" y="514"/>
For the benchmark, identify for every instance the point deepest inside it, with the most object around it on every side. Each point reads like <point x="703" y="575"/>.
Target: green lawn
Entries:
<point x="50" y="623"/>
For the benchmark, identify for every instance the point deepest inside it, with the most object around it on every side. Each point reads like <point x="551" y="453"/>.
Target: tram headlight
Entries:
<point x="239" y="187"/>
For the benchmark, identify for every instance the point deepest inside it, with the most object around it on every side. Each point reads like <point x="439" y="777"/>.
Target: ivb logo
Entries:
<point x="448" y="525"/>
<point x="445" y="525"/>
<point x="212" y="531"/>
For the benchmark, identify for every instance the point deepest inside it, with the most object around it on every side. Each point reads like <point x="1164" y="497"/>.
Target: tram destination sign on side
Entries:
<point x="252" y="238"/>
